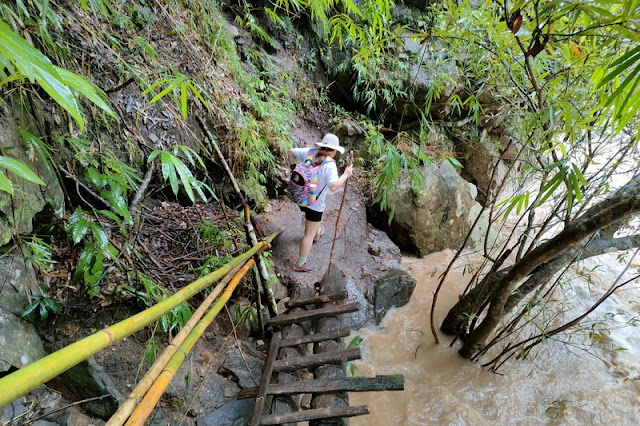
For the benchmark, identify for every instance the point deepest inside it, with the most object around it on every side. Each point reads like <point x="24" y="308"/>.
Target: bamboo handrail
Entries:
<point x="126" y="408"/>
<point x="152" y="397"/>
<point x="33" y="375"/>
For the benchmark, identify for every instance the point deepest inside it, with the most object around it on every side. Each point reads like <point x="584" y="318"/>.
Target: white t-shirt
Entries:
<point x="327" y="175"/>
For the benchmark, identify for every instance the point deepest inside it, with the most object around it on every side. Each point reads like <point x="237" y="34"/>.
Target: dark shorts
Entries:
<point x="311" y="215"/>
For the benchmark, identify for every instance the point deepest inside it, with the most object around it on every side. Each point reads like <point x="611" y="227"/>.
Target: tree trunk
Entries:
<point x="618" y="206"/>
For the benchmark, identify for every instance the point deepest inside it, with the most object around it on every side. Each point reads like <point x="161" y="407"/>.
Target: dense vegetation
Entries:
<point x="551" y="86"/>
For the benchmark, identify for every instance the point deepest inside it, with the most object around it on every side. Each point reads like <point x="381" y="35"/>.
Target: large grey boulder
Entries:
<point x="439" y="214"/>
<point x="392" y="291"/>
<point x="29" y="199"/>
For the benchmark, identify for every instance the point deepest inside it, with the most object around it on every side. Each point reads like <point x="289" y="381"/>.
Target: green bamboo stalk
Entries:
<point x="126" y="408"/>
<point x="33" y="375"/>
<point x="152" y="397"/>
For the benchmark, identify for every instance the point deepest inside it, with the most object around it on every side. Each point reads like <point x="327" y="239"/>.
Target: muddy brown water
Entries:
<point x="559" y="386"/>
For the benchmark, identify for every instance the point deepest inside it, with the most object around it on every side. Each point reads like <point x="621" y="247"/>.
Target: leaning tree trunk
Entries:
<point x="620" y="205"/>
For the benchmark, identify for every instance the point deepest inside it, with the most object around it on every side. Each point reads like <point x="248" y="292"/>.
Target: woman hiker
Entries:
<point x="328" y="181"/>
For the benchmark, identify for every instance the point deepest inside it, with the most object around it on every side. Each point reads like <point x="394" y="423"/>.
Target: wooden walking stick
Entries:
<point x="344" y="195"/>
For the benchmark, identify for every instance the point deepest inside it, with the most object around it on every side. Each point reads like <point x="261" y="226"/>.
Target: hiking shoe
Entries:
<point x="307" y="267"/>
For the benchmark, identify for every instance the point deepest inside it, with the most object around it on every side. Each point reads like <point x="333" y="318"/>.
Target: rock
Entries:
<point x="18" y="211"/>
<point x="87" y="380"/>
<point x="43" y="423"/>
<point x="19" y="281"/>
<point x="438" y="215"/>
<point x="74" y="417"/>
<point x="480" y="162"/>
<point x="358" y="319"/>
<point x="392" y="291"/>
<point x="373" y="249"/>
<point x="233" y="413"/>
<point x="11" y="411"/>
<point x="19" y="342"/>
<point x="236" y="364"/>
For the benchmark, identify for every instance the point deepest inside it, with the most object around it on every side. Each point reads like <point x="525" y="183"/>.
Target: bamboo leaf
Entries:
<point x="185" y="176"/>
<point x="86" y="89"/>
<point x="19" y="169"/>
<point x="183" y="100"/>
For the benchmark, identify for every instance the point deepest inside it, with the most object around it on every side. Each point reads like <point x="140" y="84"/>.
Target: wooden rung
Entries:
<point x="394" y="382"/>
<point x="299" y="362"/>
<point x="328" y="311"/>
<point x="317" y="337"/>
<point x="314" y="414"/>
<point x="312" y="338"/>
<point x="323" y="298"/>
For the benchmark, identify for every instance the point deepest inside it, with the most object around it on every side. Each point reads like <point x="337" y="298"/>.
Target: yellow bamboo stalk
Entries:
<point x="152" y="397"/>
<point x="33" y="375"/>
<point x="127" y="407"/>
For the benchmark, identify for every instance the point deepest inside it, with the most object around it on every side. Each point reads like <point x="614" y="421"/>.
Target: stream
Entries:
<point x="562" y="384"/>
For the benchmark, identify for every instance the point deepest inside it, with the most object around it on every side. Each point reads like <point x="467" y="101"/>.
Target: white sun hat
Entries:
<point x="330" y="141"/>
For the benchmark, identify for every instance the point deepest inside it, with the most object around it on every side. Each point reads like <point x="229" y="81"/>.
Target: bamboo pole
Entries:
<point x="33" y="375"/>
<point x="251" y="235"/>
<point x="152" y="397"/>
<point x="127" y="407"/>
<point x="262" y="267"/>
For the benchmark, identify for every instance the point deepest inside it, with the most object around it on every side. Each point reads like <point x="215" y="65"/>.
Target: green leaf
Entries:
<point x="86" y="89"/>
<point x="32" y="307"/>
<point x="454" y="162"/>
<point x="355" y="342"/>
<point x="5" y="183"/>
<point x="623" y="63"/>
<point x="183" y="100"/>
<point x="99" y="235"/>
<point x="115" y="218"/>
<point x="19" y="169"/>
<point x="78" y="229"/>
<point x="185" y="176"/>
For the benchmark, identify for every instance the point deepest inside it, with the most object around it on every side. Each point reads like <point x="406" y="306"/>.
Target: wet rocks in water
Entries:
<point x="392" y="291"/>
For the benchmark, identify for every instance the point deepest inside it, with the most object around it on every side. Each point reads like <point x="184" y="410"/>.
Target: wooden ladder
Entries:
<point x="316" y="386"/>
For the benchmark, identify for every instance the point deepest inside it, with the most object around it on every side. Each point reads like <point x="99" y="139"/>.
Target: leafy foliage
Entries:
<point x="174" y="169"/>
<point x="21" y="61"/>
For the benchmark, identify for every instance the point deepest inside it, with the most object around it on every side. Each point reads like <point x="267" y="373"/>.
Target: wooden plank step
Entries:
<point x="335" y="357"/>
<point x="312" y="338"/>
<point x="394" y="382"/>
<point x="323" y="298"/>
<point x="314" y="414"/>
<point x="266" y="378"/>
<point x="312" y="314"/>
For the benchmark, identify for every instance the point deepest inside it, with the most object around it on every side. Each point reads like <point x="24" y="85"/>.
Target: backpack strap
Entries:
<point x="310" y="154"/>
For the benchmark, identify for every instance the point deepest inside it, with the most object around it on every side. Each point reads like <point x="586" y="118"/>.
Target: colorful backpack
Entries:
<point x="303" y="182"/>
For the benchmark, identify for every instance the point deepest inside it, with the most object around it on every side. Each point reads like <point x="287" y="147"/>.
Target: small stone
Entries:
<point x="373" y="249"/>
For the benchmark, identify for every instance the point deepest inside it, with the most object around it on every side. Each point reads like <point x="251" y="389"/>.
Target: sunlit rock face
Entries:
<point x="439" y="214"/>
